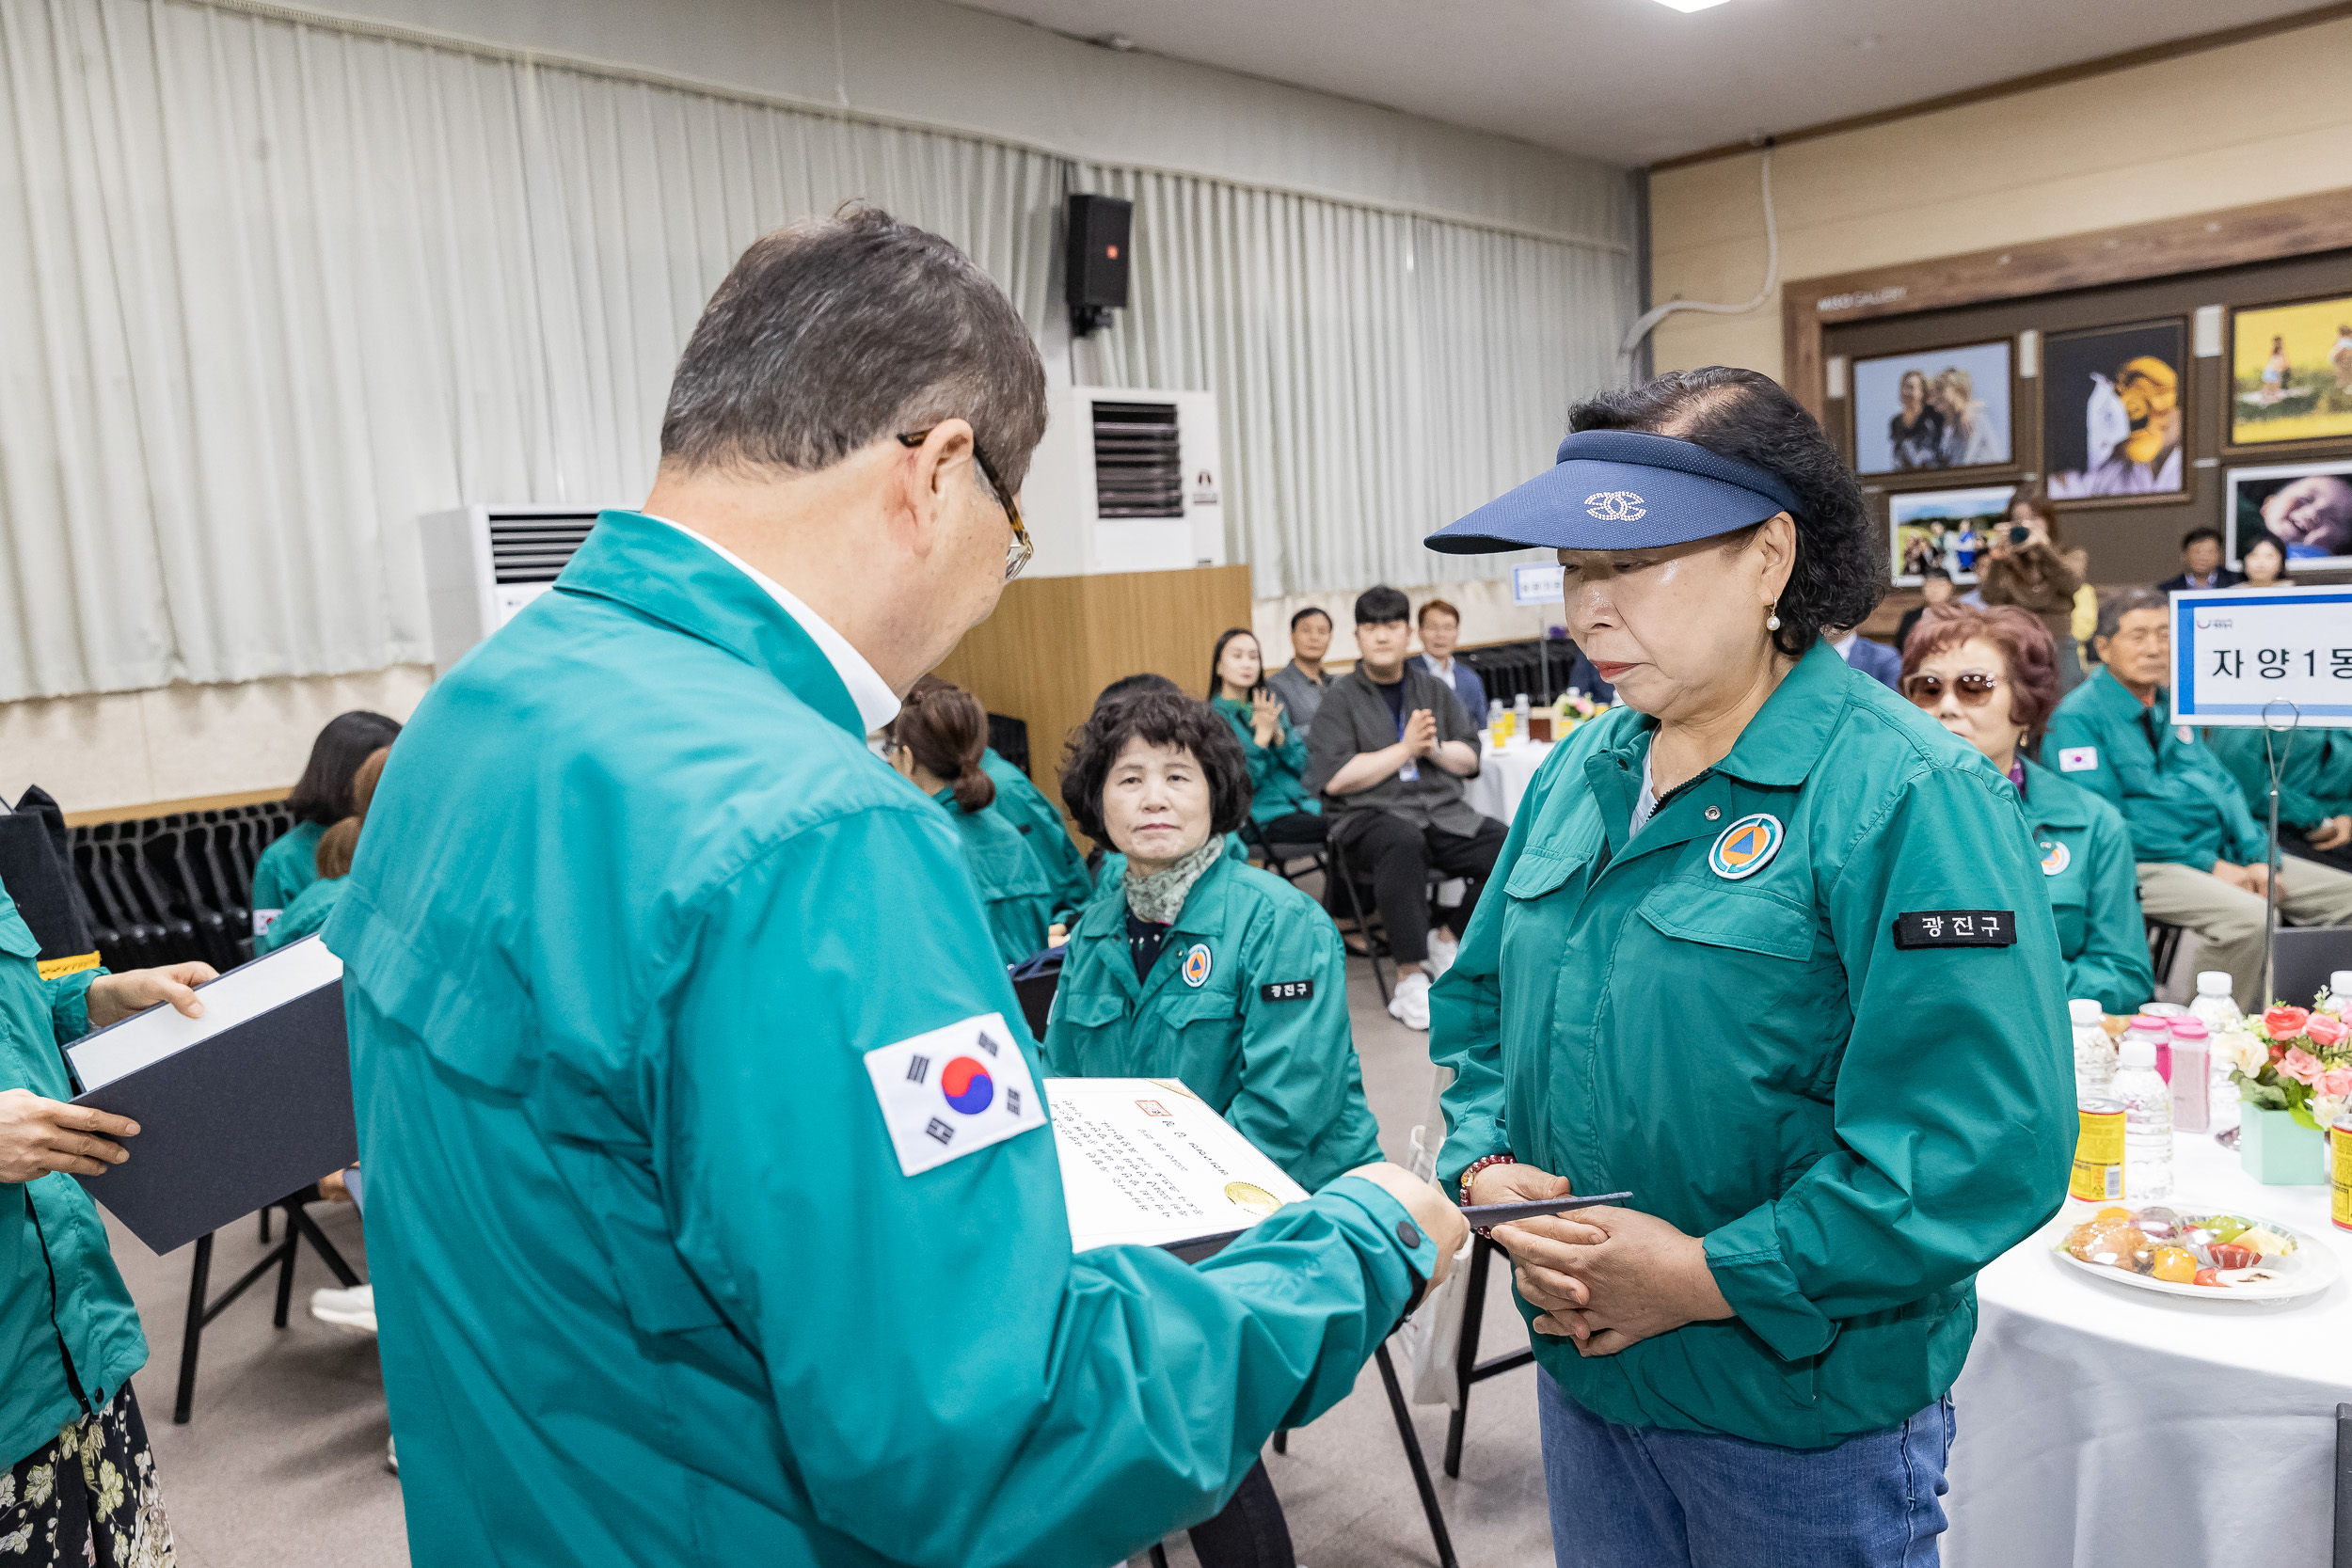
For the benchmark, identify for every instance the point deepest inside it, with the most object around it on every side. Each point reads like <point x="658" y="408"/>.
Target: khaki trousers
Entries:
<point x="2228" y="919"/>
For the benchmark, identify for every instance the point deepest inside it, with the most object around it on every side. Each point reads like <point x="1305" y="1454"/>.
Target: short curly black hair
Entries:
<point x="1840" y="573"/>
<point x="1160" y="719"/>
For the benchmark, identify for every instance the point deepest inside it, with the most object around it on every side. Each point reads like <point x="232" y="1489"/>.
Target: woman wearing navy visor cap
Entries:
<point x="1760" y="960"/>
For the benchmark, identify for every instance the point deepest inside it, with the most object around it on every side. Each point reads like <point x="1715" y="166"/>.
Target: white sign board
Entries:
<point x="2243" y="653"/>
<point x="1538" y="584"/>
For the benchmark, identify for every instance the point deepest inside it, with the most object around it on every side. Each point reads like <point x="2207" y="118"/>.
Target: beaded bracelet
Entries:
<point x="1471" y="1170"/>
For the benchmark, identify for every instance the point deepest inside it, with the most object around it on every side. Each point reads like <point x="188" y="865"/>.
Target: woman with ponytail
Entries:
<point x="936" y="741"/>
<point x="337" y="845"/>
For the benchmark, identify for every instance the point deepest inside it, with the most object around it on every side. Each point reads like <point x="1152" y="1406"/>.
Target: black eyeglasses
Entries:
<point x="1974" y="687"/>
<point x="1017" y="554"/>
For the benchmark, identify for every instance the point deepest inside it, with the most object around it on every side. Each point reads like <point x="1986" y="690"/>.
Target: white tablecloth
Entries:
<point x="2100" y="1424"/>
<point x="1502" y="775"/>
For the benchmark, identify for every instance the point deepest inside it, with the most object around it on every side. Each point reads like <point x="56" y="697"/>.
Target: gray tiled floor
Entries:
<point x="283" y="1464"/>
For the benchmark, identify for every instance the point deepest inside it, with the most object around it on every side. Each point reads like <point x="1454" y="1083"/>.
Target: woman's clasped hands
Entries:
<point x="1604" y="1276"/>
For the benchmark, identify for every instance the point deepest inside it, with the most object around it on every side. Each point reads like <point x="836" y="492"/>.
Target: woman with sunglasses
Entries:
<point x="1990" y="677"/>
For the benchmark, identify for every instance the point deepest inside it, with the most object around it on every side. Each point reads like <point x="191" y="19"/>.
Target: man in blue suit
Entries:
<point x="1875" y="659"/>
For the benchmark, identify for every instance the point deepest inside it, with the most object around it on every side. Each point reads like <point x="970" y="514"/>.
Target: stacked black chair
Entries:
<point x="1009" y="740"/>
<point x="169" y="889"/>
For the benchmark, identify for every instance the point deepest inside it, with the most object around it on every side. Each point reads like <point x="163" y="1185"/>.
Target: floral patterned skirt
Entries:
<point x="89" y="1499"/>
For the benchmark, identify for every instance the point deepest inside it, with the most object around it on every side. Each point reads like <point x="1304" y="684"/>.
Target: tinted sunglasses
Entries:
<point x="1974" y="687"/>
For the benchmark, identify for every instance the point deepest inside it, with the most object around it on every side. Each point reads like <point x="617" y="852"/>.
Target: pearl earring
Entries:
<point x="1772" y="623"/>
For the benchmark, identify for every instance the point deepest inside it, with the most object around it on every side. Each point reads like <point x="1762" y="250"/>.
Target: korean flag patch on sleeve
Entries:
<point x="954" y="1090"/>
<point x="2077" y="759"/>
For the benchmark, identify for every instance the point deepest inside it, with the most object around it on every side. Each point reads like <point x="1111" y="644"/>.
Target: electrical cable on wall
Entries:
<point x="1649" y="319"/>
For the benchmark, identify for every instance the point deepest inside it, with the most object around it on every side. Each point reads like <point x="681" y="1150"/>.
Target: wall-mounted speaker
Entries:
<point x="1095" y="277"/>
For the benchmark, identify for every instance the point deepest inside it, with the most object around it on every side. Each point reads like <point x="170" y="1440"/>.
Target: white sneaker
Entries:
<point x="1410" y="1005"/>
<point x="1444" y="950"/>
<point x="354" y="1309"/>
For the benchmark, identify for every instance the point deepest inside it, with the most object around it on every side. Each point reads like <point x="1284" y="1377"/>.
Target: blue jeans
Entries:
<point x="1652" y="1498"/>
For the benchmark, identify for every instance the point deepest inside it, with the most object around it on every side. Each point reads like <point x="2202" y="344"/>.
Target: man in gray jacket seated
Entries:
<point x="1389" y="752"/>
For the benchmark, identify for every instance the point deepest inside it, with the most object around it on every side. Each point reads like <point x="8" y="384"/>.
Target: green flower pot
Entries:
<point x="2277" y="1149"/>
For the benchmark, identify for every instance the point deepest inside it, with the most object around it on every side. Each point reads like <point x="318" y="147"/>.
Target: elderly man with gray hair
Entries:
<point x="2204" y="862"/>
<point x="714" y="1216"/>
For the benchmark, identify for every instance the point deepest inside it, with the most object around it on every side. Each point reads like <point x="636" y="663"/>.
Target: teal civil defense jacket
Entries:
<point x="2179" y="801"/>
<point x="1016" y="898"/>
<point x="1027" y="808"/>
<point x="69" y="1337"/>
<point x="1278" y="774"/>
<point x="286" y="866"/>
<point x="2314" y="773"/>
<point x="306" y="914"/>
<point x="1247" y="1004"/>
<point x="649" y="968"/>
<point x="2085" y="855"/>
<point x="1813" y="1013"/>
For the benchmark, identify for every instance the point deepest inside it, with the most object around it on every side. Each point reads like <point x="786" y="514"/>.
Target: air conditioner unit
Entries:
<point x="484" y="563"/>
<point x="1126" y="480"/>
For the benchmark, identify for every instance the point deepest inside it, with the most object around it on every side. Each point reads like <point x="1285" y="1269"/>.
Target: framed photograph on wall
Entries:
<point x="1933" y="410"/>
<point x="2291" y="371"/>
<point x="2115" y="412"/>
<point x="2307" y="507"/>
<point x="1951" y="528"/>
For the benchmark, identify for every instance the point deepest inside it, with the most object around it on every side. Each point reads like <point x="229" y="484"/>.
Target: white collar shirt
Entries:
<point x="877" y="705"/>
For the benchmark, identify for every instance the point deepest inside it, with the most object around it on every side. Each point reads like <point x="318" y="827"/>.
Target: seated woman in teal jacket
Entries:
<point x="1285" y="810"/>
<point x="1190" y="964"/>
<point x="1990" y="677"/>
<point x="937" y="740"/>
<point x="335" y="846"/>
<point x="321" y="798"/>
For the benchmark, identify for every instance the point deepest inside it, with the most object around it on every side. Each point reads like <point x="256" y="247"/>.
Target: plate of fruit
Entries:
<point x="2189" y="1251"/>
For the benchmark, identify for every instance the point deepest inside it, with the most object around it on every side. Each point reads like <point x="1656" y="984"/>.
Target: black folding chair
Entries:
<point x="1468" y="1370"/>
<point x="1340" y="881"/>
<point x="2340" y="1554"/>
<point x="1431" y="1509"/>
<point x="299" y="1228"/>
<point x="2164" y="946"/>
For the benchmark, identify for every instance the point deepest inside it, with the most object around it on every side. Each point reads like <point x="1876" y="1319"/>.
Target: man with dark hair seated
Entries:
<point x="1389" y="752"/>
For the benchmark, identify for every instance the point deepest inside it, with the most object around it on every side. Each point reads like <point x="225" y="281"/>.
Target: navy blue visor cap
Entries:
<point x="1621" y="490"/>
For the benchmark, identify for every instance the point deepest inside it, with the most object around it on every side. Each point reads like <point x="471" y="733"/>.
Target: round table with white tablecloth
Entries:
<point x="1504" y="772"/>
<point x="2104" y="1426"/>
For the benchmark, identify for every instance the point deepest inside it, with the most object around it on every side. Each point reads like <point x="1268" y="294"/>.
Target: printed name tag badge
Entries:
<point x="1955" y="928"/>
<point x="2077" y="759"/>
<point x="1288" y="991"/>
<point x="953" y="1091"/>
<point x="1410" y="771"/>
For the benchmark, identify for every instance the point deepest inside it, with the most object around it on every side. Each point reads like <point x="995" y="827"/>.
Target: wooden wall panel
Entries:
<point x="1054" y="642"/>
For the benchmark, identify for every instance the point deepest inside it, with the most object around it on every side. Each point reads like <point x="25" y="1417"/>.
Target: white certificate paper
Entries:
<point x="1145" y="1163"/>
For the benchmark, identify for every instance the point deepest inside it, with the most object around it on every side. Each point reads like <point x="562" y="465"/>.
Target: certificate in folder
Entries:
<point x="1145" y="1162"/>
<point x="235" y="1109"/>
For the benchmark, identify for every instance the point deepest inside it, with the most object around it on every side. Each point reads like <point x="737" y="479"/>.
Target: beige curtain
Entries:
<point x="271" y="290"/>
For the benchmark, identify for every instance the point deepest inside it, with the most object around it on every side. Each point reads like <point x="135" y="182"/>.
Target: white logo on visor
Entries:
<point x="1615" y="506"/>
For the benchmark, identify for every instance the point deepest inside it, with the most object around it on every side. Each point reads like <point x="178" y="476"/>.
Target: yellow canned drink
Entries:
<point x="2098" y="1152"/>
<point x="2340" y="1173"/>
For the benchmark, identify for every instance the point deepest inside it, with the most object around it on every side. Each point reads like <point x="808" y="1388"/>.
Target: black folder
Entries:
<point x="236" y="1120"/>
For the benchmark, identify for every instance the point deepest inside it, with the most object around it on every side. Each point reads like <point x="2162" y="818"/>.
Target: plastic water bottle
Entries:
<point x="2214" y="1008"/>
<point x="2094" y="1053"/>
<point x="1518" y="714"/>
<point x="2147" y="1123"/>
<point x="2339" y="1000"/>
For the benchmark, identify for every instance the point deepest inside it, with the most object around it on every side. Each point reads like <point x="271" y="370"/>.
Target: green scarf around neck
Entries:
<point x="1158" y="896"/>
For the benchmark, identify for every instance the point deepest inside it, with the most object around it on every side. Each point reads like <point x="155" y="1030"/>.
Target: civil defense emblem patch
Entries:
<point x="1746" y="847"/>
<point x="1197" y="963"/>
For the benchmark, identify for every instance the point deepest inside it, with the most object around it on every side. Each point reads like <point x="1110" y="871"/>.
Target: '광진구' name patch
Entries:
<point x="1288" y="991"/>
<point x="1955" y="928"/>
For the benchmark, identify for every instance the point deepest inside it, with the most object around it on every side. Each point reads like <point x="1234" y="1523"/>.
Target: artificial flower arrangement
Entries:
<point x="2293" y="1059"/>
<point x="1574" y="708"/>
